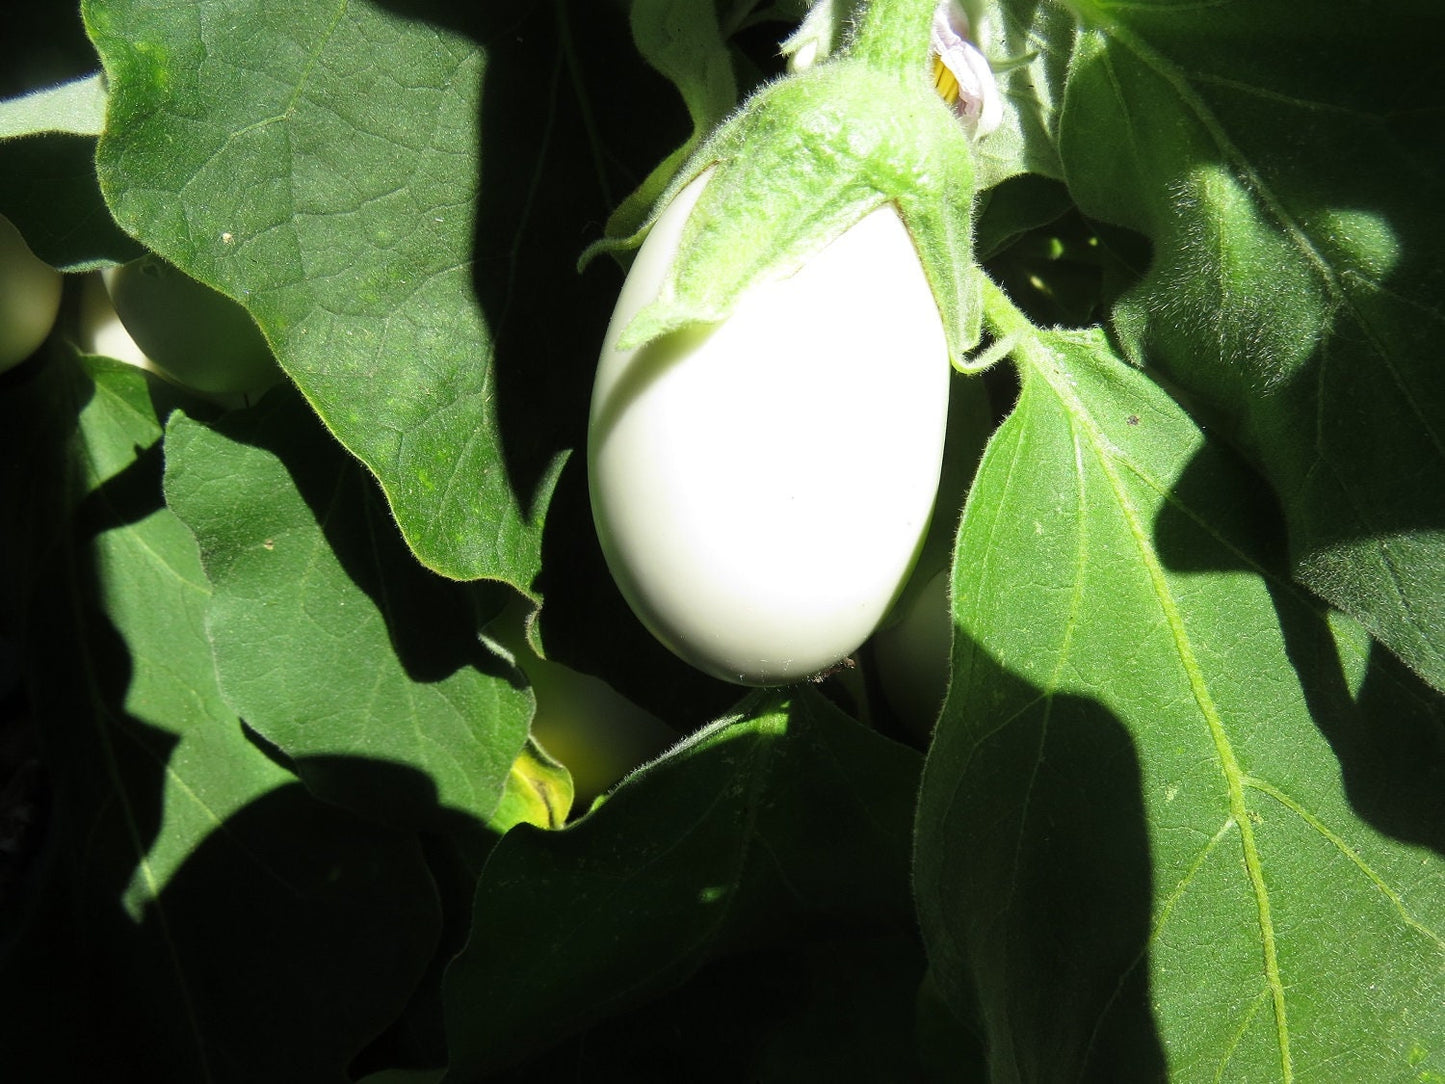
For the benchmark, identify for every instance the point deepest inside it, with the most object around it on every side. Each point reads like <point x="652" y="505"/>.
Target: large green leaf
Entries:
<point x="400" y="204"/>
<point x="1170" y="819"/>
<point x="332" y="642"/>
<point x="193" y="894"/>
<point x="1284" y="163"/>
<point x="713" y="846"/>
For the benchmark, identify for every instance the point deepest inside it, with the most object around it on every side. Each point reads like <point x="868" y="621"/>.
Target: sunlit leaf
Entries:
<point x="77" y="107"/>
<point x="1167" y="822"/>
<point x="323" y="164"/>
<point x="332" y="642"/>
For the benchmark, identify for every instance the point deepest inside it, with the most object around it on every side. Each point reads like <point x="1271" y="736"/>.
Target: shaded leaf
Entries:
<point x="712" y="847"/>
<point x="48" y="189"/>
<point x="195" y="891"/>
<point x="1012" y="208"/>
<point x="682" y="40"/>
<point x="54" y="109"/>
<point x="832" y="1008"/>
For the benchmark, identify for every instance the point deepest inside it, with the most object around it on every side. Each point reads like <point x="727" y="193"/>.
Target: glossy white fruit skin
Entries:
<point x="29" y="297"/>
<point x="760" y="487"/>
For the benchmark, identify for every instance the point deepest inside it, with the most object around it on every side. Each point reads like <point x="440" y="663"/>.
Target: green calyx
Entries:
<point x="809" y="156"/>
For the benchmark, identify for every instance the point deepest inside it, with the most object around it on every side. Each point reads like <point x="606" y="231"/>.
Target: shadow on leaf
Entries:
<point x="194" y="914"/>
<point x="1386" y="726"/>
<point x="1034" y="879"/>
<point x="431" y="621"/>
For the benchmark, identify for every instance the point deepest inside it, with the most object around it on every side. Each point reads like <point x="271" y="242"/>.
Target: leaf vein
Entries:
<point x="1336" y="841"/>
<point x="1044" y="362"/>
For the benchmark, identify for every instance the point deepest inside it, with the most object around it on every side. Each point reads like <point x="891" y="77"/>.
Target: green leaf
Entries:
<point x="711" y="847"/>
<point x="1170" y="822"/>
<point x="48" y="189"/>
<point x="538" y="791"/>
<point x="1279" y="164"/>
<point x="48" y="126"/>
<point x="324" y="164"/>
<point x="404" y="1076"/>
<point x="682" y="40"/>
<point x="1009" y="210"/>
<point x="331" y="641"/>
<point x="195" y="892"/>
<point x="852" y="1016"/>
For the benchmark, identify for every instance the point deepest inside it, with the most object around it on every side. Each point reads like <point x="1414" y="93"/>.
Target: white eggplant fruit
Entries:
<point x="101" y="331"/>
<point x="193" y="334"/>
<point x="761" y="486"/>
<point x="29" y="297"/>
<point x="912" y="655"/>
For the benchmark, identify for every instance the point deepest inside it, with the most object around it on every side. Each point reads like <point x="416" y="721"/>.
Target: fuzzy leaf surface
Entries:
<point x="1279" y="165"/>
<point x="1171" y="820"/>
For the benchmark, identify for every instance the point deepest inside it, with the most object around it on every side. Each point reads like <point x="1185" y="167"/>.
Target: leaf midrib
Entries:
<point x="1043" y="361"/>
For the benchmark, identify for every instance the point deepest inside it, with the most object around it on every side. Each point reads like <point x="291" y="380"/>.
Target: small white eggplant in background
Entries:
<point x="592" y="729"/>
<point x="101" y="331"/>
<point x="29" y="297"/>
<point x="913" y="656"/>
<point x="761" y="486"/>
<point x="193" y="334"/>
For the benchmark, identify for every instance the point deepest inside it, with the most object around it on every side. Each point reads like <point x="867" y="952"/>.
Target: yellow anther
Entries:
<point x="944" y="81"/>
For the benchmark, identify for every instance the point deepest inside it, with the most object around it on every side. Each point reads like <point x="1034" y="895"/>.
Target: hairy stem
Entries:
<point x="893" y="35"/>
